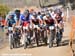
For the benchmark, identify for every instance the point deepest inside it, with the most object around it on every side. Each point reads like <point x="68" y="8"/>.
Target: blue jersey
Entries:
<point x="11" y="22"/>
<point x="23" y="18"/>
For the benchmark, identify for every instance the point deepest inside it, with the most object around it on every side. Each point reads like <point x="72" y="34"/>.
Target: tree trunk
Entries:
<point x="40" y="3"/>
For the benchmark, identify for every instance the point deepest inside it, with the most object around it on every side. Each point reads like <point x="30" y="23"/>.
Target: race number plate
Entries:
<point x="51" y="27"/>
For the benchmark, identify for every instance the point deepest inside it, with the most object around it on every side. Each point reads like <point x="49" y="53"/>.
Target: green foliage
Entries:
<point x="4" y="9"/>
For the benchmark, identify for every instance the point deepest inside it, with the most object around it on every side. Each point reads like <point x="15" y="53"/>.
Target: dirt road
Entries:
<point x="43" y="50"/>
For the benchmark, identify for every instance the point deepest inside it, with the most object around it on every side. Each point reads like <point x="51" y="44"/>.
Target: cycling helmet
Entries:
<point x="26" y="11"/>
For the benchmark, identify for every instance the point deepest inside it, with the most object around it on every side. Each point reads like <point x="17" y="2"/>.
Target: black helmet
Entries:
<point x="17" y="12"/>
<point x="39" y="13"/>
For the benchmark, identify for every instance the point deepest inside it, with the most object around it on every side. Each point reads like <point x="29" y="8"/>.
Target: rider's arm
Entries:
<point x="31" y="18"/>
<point x="14" y="24"/>
<point x="44" y="22"/>
<point x="6" y="22"/>
<point x="44" y="18"/>
<point x="55" y="21"/>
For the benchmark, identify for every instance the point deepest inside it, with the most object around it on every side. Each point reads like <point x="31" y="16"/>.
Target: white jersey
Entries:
<point x="53" y="15"/>
<point x="44" y="18"/>
<point x="31" y="17"/>
<point x="39" y="17"/>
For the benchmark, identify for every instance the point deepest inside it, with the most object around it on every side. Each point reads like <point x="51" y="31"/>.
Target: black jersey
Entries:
<point x="35" y="21"/>
<point x="49" y="21"/>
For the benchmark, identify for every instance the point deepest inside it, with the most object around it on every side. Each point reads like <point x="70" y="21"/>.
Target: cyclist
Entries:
<point x="11" y="24"/>
<point x="25" y="22"/>
<point x="49" y="21"/>
<point x="60" y="26"/>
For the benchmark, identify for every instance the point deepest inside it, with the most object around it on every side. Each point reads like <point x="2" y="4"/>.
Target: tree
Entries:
<point x="4" y="10"/>
<point x="42" y="3"/>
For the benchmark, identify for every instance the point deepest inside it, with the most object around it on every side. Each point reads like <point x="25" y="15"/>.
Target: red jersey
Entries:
<point x="25" y="23"/>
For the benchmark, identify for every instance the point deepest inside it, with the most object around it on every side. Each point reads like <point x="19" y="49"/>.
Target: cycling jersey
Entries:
<point x="25" y="23"/>
<point x="40" y="18"/>
<point x="49" y="21"/>
<point x="11" y="22"/>
<point x="58" y="18"/>
<point x="31" y="17"/>
<point x="35" y="21"/>
<point x="24" y="20"/>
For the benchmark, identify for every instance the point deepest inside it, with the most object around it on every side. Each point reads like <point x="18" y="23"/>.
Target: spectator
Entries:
<point x="3" y="22"/>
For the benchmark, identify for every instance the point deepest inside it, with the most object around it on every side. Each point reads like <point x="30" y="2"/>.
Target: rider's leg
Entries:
<point x="51" y="39"/>
<point x="61" y="34"/>
<point x="36" y="37"/>
<point x="10" y="40"/>
<point x="57" y="38"/>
